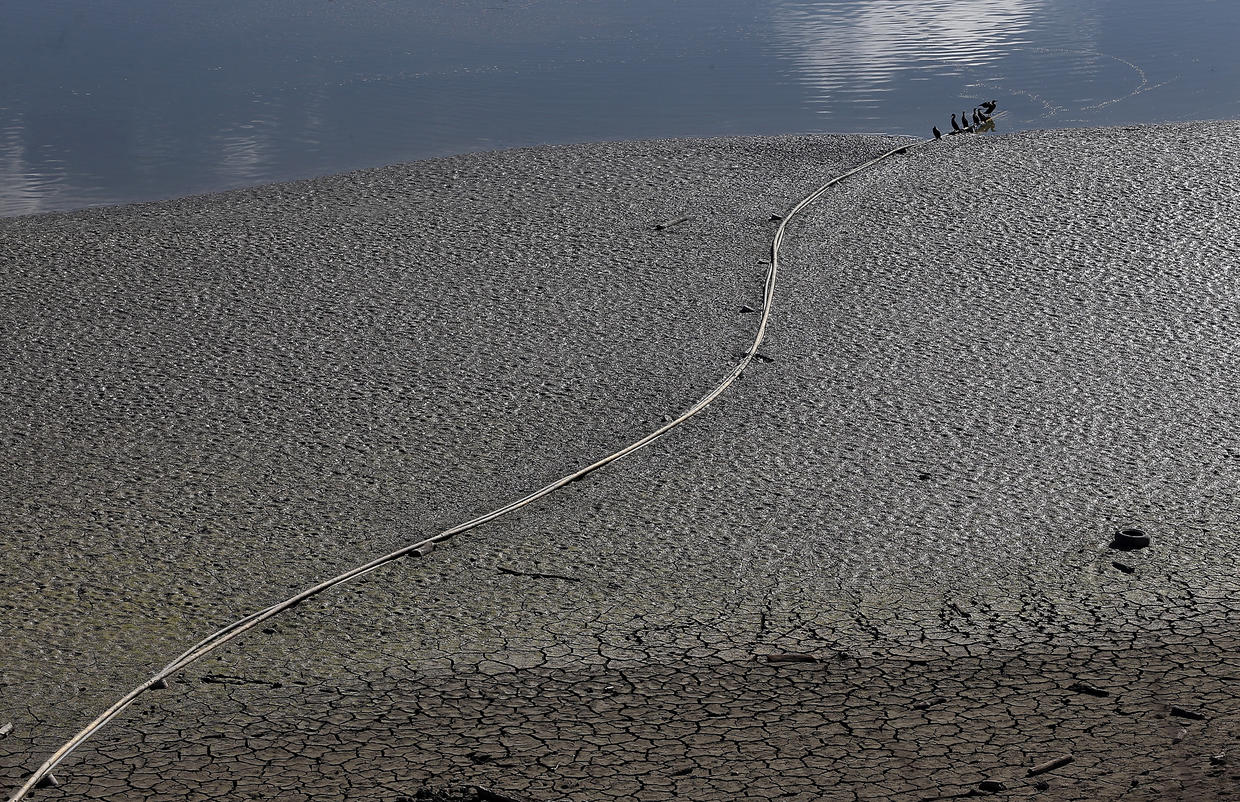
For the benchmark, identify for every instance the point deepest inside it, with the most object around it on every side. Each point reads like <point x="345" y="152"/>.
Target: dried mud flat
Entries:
<point x="878" y="568"/>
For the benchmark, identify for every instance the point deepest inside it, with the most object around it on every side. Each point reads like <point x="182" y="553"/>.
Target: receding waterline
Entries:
<point x="173" y="97"/>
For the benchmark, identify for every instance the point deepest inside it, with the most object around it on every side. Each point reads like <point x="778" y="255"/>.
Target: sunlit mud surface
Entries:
<point x="879" y="567"/>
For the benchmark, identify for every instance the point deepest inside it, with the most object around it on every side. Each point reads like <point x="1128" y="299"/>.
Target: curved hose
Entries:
<point x="218" y="638"/>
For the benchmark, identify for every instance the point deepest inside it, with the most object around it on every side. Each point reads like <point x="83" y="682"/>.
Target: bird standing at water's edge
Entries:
<point x="937" y="133"/>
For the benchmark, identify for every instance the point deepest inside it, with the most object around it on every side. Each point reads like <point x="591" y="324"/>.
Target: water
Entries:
<point x="107" y="102"/>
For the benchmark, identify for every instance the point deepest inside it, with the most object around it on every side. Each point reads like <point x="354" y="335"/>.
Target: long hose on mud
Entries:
<point x="423" y="547"/>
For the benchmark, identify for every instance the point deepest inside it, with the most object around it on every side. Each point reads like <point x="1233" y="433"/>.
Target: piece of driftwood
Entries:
<point x="1051" y="765"/>
<point x="791" y="657"/>
<point x="675" y="221"/>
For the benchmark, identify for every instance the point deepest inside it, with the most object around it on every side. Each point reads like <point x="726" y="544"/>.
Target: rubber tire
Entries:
<point x="1130" y="539"/>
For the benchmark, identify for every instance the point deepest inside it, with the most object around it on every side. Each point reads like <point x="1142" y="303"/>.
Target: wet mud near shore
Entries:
<point x="986" y="356"/>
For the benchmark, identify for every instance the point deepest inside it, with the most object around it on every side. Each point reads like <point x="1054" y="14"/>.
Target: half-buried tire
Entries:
<point x="1130" y="539"/>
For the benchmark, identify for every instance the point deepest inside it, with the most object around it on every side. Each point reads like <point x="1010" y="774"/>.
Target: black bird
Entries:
<point x="976" y="119"/>
<point x="955" y="127"/>
<point x="937" y="133"/>
<point x="964" y="120"/>
<point x="989" y="105"/>
<point x="984" y="117"/>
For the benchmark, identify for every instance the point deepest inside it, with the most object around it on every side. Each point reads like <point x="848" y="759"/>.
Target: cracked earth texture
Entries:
<point x="877" y="568"/>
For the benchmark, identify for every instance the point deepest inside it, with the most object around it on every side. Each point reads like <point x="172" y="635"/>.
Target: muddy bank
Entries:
<point x="986" y="355"/>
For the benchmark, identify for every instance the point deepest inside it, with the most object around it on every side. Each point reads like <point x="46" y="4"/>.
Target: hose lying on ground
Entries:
<point x="423" y="547"/>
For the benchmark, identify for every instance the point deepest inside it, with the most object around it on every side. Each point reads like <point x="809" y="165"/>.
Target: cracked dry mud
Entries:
<point x="877" y="568"/>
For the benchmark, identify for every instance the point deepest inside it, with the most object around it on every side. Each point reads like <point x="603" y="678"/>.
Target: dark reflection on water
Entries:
<point x="111" y="102"/>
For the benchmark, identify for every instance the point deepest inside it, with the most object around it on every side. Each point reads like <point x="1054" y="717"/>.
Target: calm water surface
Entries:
<point x="106" y="102"/>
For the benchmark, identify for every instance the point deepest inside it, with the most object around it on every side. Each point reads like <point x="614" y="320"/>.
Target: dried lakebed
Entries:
<point x="985" y="357"/>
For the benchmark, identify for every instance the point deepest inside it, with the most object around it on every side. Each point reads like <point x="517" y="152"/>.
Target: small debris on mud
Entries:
<point x="1086" y="688"/>
<point x="675" y="221"/>
<point x="791" y="657"/>
<point x="1184" y="712"/>
<point x="1130" y="539"/>
<point x="1051" y="765"/>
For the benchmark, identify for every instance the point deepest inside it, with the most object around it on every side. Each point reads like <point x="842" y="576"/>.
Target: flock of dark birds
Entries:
<point x="980" y="121"/>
